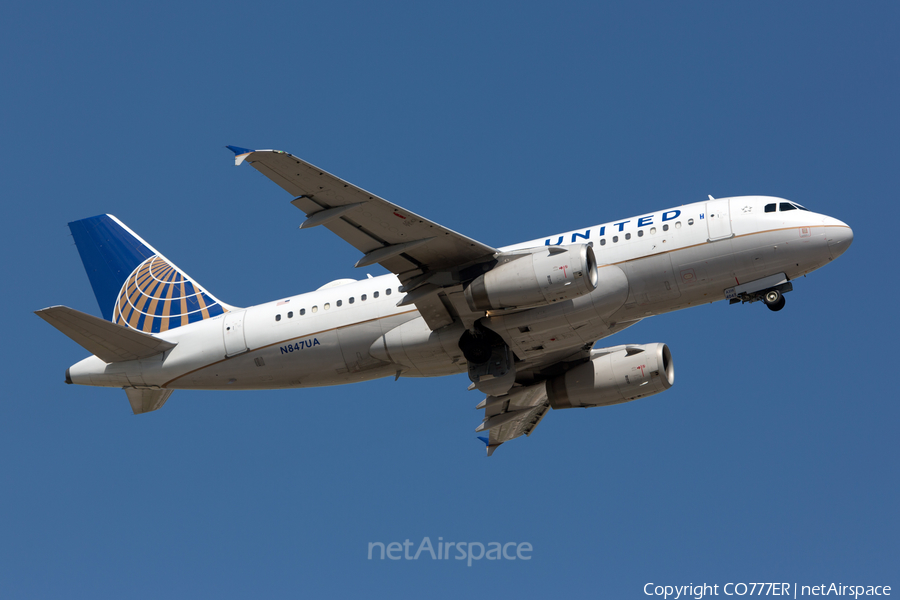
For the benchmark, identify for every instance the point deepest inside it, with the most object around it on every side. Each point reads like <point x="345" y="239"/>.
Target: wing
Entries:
<point x="432" y="262"/>
<point x="399" y="240"/>
<point x="519" y="411"/>
<point x="426" y="256"/>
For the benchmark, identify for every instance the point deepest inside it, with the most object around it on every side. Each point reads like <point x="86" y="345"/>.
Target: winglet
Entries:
<point x="487" y="444"/>
<point x="239" y="154"/>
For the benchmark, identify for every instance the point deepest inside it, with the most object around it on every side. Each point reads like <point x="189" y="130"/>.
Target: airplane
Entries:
<point x="521" y="321"/>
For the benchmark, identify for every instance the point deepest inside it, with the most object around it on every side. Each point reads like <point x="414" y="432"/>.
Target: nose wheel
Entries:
<point x="770" y="295"/>
<point x="774" y="300"/>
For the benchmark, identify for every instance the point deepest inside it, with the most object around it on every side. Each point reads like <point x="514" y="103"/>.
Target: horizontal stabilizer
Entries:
<point x="146" y="400"/>
<point x="107" y="341"/>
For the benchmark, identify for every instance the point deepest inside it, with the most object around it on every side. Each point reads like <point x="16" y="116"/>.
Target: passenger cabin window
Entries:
<point x="387" y="292"/>
<point x="327" y="305"/>
<point x="615" y="239"/>
<point x="787" y="206"/>
<point x="603" y="242"/>
<point x="363" y="297"/>
<point x="770" y="207"/>
<point x="277" y="317"/>
<point x="652" y="230"/>
<point x="690" y="221"/>
<point x="666" y="227"/>
<point x="302" y="311"/>
<point x="352" y="300"/>
<point x="315" y="309"/>
<point x="627" y="236"/>
<point x="339" y="302"/>
<point x="375" y="295"/>
<point x="291" y="315"/>
<point x="640" y="233"/>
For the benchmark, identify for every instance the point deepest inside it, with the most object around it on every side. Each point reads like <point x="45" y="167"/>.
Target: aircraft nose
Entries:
<point x="839" y="236"/>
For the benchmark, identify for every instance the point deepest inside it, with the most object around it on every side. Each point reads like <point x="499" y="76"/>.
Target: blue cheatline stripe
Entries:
<point x="109" y="254"/>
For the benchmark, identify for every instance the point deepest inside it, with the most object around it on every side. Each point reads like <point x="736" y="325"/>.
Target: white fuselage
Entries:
<point x="661" y="261"/>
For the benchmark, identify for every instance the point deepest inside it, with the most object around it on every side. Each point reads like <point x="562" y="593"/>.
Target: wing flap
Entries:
<point x="107" y="341"/>
<point x="434" y="311"/>
<point x="515" y="414"/>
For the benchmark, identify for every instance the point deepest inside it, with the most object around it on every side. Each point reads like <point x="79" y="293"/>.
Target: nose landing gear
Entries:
<point x="770" y="290"/>
<point x="774" y="299"/>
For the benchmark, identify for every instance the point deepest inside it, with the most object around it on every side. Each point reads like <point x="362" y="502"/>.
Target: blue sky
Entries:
<point x="773" y="458"/>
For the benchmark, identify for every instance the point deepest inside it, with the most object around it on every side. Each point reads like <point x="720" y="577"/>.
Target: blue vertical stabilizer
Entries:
<point x="134" y="284"/>
<point x="110" y="254"/>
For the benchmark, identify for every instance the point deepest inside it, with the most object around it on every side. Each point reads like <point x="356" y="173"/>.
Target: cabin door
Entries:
<point x="718" y="220"/>
<point x="233" y="331"/>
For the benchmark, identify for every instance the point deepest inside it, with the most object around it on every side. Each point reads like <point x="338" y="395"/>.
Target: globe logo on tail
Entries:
<point x="157" y="297"/>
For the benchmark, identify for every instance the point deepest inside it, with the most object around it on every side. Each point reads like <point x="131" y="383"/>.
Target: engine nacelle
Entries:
<point x="613" y="376"/>
<point x="535" y="277"/>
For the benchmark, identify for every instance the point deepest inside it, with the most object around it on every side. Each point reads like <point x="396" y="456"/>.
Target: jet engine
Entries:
<point x="535" y="277"/>
<point x="614" y="375"/>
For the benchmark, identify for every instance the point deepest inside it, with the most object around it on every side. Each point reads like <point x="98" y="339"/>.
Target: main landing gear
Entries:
<point x="491" y="363"/>
<point x="477" y="346"/>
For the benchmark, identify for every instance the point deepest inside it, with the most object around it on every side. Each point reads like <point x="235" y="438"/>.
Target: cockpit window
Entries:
<point x="787" y="206"/>
<point x="770" y="207"/>
<point x="800" y="207"/>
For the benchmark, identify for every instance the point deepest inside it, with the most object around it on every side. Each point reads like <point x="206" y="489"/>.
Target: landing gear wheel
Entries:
<point x="774" y="300"/>
<point x="476" y="349"/>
